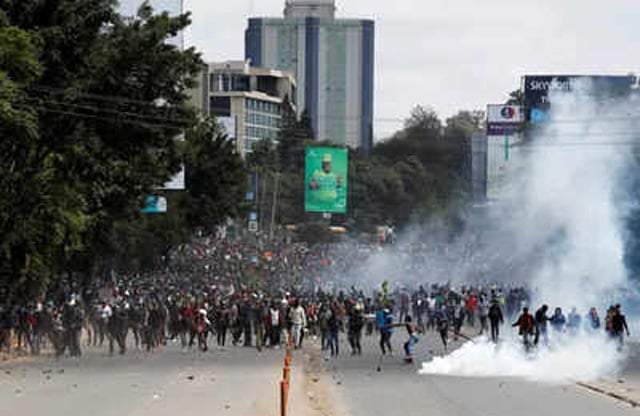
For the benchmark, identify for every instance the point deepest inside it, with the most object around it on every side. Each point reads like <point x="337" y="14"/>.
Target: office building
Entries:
<point x="332" y="61"/>
<point x="248" y="99"/>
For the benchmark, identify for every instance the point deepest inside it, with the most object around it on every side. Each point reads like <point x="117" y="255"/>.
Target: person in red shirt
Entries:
<point x="526" y="326"/>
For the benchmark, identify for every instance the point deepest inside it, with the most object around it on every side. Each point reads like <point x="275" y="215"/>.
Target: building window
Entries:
<point x="240" y="83"/>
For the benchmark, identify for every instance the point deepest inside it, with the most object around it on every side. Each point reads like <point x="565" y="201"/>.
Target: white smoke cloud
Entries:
<point x="584" y="358"/>
<point x="564" y="214"/>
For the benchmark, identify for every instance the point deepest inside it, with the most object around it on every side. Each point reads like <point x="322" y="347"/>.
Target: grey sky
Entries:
<point x="454" y="54"/>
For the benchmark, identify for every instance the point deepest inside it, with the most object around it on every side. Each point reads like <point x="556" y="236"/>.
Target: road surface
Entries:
<point x="236" y="381"/>
<point x="240" y="381"/>
<point x="356" y="388"/>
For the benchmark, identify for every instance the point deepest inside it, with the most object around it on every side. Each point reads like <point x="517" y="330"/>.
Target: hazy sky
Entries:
<point x="454" y="54"/>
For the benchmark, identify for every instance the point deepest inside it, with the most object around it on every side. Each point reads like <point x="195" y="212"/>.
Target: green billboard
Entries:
<point x="326" y="170"/>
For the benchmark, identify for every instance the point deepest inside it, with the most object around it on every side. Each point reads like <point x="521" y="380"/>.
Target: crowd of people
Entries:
<point x="258" y="294"/>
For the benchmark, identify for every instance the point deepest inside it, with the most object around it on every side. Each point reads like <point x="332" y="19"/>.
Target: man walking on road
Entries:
<point x="619" y="326"/>
<point x="298" y="322"/>
<point x="495" y="319"/>
<point x="541" y="319"/>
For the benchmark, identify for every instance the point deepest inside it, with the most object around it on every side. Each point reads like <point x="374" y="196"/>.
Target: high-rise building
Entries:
<point x="248" y="101"/>
<point x="332" y="61"/>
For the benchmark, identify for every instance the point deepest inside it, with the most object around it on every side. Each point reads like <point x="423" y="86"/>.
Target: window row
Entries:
<point x="229" y="82"/>
<point x="262" y="120"/>
<point x="262" y="106"/>
<point x="260" y="133"/>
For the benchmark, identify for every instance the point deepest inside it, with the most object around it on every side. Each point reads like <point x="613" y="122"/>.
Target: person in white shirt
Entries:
<point x="298" y="323"/>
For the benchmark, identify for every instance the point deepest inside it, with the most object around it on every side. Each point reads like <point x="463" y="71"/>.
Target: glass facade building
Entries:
<point x="332" y="61"/>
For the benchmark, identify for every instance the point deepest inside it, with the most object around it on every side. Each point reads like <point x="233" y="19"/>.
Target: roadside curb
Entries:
<point x="610" y="393"/>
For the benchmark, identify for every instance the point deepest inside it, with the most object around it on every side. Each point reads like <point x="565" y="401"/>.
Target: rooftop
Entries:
<point x="310" y="8"/>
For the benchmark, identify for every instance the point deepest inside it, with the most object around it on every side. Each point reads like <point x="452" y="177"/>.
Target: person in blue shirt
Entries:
<point x="558" y="320"/>
<point x="384" y="322"/>
<point x="574" y="320"/>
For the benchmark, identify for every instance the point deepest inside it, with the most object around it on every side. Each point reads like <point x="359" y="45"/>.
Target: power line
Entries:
<point x="103" y="97"/>
<point x="91" y="116"/>
<point x="111" y="111"/>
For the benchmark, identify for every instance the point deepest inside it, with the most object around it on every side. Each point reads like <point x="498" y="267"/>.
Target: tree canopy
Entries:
<point x="90" y="109"/>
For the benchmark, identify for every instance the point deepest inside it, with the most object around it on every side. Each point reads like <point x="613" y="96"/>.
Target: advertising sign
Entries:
<point x="503" y="120"/>
<point x="326" y="171"/>
<point x="502" y="113"/>
<point x="155" y="205"/>
<point x="538" y="87"/>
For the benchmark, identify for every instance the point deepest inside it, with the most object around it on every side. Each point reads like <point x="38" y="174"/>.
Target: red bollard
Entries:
<point x="284" y="397"/>
<point x="286" y="372"/>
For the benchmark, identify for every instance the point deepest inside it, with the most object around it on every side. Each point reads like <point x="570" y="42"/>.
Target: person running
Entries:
<point x="412" y="332"/>
<point x="525" y="324"/>
<point x="558" y="320"/>
<point x="496" y="319"/>
<point x="574" y="320"/>
<point x="299" y="322"/>
<point x="356" y="322"/>
<point x="541" y="319"/>
<point x="442" y="326"/>
<point x="386" y="330"/>
<point x="619" y="326"/>
<point x="483" y="313"/>
<point x="333" y="326"/>
<point x="222" y="324"/>
<point x="594" y="319"/>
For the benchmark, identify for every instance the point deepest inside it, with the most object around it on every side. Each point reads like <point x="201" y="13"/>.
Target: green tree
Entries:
<point x="516" y="97"/>
<point x="294" y="137"/>
<point x="103" y="115"/>
<point x="216" y="177"/>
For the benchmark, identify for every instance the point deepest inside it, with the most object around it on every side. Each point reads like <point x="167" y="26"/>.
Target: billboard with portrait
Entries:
<point x="326" y="171"/>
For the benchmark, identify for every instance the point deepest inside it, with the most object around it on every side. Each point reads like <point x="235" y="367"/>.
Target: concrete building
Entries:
<point x="249" y="99"/>
<point x="332" y="61"/>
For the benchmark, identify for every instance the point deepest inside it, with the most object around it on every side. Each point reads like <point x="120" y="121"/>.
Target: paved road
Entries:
<point x="238" y="381"/>
<point x="356" y="388"/>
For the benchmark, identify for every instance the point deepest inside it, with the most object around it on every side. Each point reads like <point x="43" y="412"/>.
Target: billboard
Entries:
<point x="326" y="170"/>
<point x="504" y="113"/>
<point x="538" y="87"/>
<point x="504" y="119"/>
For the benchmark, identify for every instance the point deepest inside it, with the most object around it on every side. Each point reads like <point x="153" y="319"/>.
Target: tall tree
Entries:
<point x="216" y="177"/>
<point x="105" y="110"/>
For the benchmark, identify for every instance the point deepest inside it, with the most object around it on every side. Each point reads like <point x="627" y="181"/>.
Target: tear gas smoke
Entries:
<point x="578" y="359"/>
<point x="562" y="217"/>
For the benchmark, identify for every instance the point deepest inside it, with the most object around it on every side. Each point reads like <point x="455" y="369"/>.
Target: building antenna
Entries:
<point x="252" y="7"/>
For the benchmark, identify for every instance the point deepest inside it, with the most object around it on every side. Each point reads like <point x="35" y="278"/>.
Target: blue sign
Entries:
<point x="538" y="115"/>
<point x="155" y="205"/>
